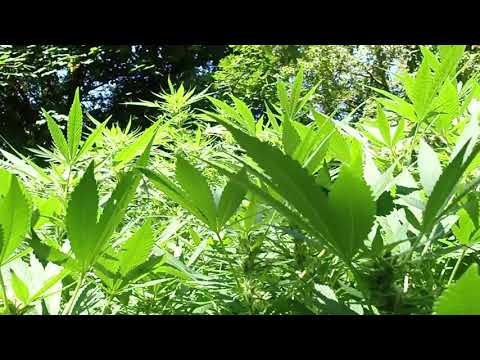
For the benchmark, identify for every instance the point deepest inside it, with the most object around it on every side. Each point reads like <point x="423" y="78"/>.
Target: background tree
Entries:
<point x="46" y="76"/>
<point x="343" y="71"/>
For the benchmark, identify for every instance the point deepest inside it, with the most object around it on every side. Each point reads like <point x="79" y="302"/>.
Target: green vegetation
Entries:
<point x="264" y="198"/>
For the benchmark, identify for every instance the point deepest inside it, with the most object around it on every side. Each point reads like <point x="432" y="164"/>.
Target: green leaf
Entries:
<point x="288" y="179"/>
<point x="57" y="136"/>
<point x="429" y="167"/>
<point x="396" y="104"/>
<point x="46" y="254"/>
<point x="47" y="208"/>
<point x="446" y="185"/>
<point x="296" y="90"/>
<point x="75" y="124"/>
<point x="246" y="114"/>
<point x="399" y="132"/>
<point x="461" y="297"/>
<point x="92" y="138"/>
<point x="114" y="211"/>
<point x="117" y="204"/>
<point x="351" y="212"/>
<point x="135" y="148"/>
<point x="464" y="229"/>
<point x="137" y="249"/>
<point x="423" y="90"/>
<point x="26" y="166"/>
<point x="51" y="282"/>
<point x="197" y="189"/>
<point x="81" y="218"/>
<point x="290" y="138"/>
<point x="382" y="124"/>
<point x="15" y="217"/>
<point x="283" y="97"/>
<point x="175" y="193"/>
<point x="231" y="199"/>
<point x="19" y="288"/>
<point x="291" y="215"/>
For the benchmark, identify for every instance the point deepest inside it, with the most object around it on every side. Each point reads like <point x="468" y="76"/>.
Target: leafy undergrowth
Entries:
<point x="223" y="211"/>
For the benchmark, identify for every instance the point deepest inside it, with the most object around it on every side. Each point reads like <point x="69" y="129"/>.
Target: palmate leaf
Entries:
<point x="291" y="215"/>
<point x="175" y="193"/>
<point x="445" y="186"/>
<point x="92" y="138"/>
<point x="89" y="238"/>
<point x="137" y="249"/>
<point x="15" y="217"/>
<point x="81" y="218"/>
<point x="396" y="104"/>
<point x="294" y="184"/>
<point x="462" y="297"/>
<point x="74" y="125"/>
<point x="135" y="148"/>
<point x="423" y="90"/>
<point x="117" y="204"/>
<point x="289" y="178"/>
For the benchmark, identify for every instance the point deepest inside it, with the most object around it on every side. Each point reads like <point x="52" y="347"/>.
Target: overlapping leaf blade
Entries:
<point x="81" y="218"/>
<point x="462" y="297"/>
<point x="15" y="217"/>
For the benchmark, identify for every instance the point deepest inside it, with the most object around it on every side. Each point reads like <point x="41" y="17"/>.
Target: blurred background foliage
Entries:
<point x="45" y="76"/>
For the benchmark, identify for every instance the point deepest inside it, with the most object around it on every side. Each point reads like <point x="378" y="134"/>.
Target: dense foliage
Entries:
<point x="264" y="203"/>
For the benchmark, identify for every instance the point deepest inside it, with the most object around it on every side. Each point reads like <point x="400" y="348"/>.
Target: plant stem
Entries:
<point x="75" y="294"/>
<point x="232" y="267"/>
<point x="4" y="294"/>
<point x="65" y="195"/>
<point x="107" y="305"/>
<point x="457" y="265"/>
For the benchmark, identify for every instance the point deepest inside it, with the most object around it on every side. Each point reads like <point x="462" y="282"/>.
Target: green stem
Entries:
<point x="75" y="295"/>
<point x="362" y="286"/>
<point x="65" y="195"/>
<point x="107" y="305"/>
<point x="4" y="294"/>
<point x="457" y="265"/>
<point x="232" y="267"/>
